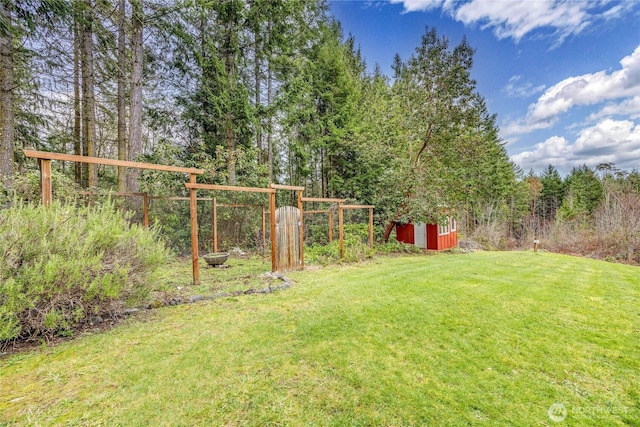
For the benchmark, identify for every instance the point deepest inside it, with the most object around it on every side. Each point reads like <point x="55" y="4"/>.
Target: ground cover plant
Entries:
<point x="486" y="338"/>
<point x="62" y="264"/>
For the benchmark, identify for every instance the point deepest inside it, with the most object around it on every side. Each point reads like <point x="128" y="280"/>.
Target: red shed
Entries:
<point x="429" y="236"/>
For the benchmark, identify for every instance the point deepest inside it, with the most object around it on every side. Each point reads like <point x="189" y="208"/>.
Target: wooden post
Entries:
<point x="300" y="208"/>
<point x="341" y="230"/>
<point x="264" y="228"/>
<point x="371" y="228"/>
<point x="214" y="224"/>
<point x="536" y="242"/>
<point x="330" y="226"/>
<point x="272" y="211"/>
<point x="145" y="209"/>
<point x="45" y="181"/>
<point x="193" y="213"/>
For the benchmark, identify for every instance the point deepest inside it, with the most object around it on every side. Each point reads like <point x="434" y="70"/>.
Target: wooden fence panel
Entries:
<point x="288" y="250"/>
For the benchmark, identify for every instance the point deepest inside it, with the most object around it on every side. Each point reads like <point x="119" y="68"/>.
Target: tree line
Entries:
<point x="259" y="91"/>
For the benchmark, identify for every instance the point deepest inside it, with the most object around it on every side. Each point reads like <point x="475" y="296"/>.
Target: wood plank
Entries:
<point x="207" y="199"/>
<point x="301" y="228"/>
<point x="272" y="214"/>
<point x="341" y="230"/>
<point x="145" y="209"/>
<point x="286" y="187"/>
<point x="357" y="207"/>
<point x="193" y="214"/>
<point x="215" y="187"/>
<point x="330" y="226"/>
<point x="45" y="181"/>
<point x="113" y="193"/>
<point x="264" y="228"/>
<point x="323" y="199"/>
<point x="214" y="225"/>
<point x="112" y="162"/>
<point x="371" y="228"/>
<point x="179" y="198"/>
<point x="317" y="211"/>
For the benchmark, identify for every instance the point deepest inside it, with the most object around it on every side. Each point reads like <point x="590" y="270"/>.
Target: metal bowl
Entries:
<point x="216" y="258"/>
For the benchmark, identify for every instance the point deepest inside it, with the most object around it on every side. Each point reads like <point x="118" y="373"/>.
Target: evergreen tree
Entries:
<point x="552" y="193"/>
<point x="440" y="118"/>
<point x="583" y="193"/>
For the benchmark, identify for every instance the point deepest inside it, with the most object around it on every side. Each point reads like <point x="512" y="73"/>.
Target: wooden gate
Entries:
<point x="288" y="250"/>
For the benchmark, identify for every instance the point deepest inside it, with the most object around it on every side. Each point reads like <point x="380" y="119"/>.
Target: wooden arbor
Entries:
<point x="193" y="187"/>
<point x="44" y="161"/>
<point x="341" y="208"/>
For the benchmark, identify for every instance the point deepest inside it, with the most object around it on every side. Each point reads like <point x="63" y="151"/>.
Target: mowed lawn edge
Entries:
<point x="487" y="338"/>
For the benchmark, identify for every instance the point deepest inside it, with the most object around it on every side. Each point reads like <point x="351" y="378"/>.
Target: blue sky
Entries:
<point x="562" y="76"/>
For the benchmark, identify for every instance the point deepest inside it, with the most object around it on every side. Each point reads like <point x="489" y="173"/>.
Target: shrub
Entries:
<point x="62" y="264"/>
<point x="354" y="251"/>
<point x="26" y="187"/>
<point x="395" y="247"/>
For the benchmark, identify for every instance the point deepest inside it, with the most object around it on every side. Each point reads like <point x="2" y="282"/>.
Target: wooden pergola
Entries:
<point x="370" y="208"/>
<point x="44" y="162"/>
<point x="214" y="217"/>
<point x="193" y="211"/>
<point x="44" y="159"/>
<point x="341" y="208"/>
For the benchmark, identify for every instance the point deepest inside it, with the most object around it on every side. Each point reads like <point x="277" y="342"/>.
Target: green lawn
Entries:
<point x="488" y="338"/>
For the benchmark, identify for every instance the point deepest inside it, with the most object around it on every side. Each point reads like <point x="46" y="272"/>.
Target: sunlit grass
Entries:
<point x="468" y="339"/>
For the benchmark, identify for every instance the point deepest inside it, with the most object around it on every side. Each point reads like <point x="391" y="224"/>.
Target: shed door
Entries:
<point x="420" y="235"/>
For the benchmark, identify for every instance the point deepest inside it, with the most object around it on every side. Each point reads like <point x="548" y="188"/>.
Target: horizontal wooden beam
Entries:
<point x="113" y="193"/>
<point x="112" y="162"/>
<point x="228" y="188"/>
<point x="323" y="199"/>
<point x="226" y="205"/>
<point x="286" y="187"/>
<point x="205" y="199"/>
<point x="357" y="207"/>
<point x="316" y="211"/>
<point x="176" y="198"/>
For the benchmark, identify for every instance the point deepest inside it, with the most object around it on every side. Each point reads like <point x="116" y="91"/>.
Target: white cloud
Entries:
<point x="615" y="141"/>
<point x="517" y="89"/>
<point x="522" y="127"/>
<point x="587" y="89"/>
<point x="629" y="107"/>
<point x="517" y="18"/>
<point x="420" y="5"/>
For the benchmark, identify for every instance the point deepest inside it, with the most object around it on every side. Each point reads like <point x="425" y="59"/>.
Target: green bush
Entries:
<point x="63" y="264"/>
<point x="355" y="250"/>
<point x="395" y="247"/>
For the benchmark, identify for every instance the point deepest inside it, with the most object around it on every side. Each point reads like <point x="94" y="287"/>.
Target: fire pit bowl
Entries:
<point x="216" y="258"/>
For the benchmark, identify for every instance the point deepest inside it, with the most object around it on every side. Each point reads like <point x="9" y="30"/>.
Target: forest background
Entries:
<point x="266" y="91"/>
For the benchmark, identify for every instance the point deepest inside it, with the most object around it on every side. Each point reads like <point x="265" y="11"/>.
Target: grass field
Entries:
<point x="486" y="338"/>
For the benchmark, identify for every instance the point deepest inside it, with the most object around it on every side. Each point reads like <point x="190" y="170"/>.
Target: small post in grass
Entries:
<point x="536" y="242"/>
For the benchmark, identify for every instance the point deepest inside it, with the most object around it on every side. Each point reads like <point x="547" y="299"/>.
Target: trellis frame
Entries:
<point x="340" y="219"/>
<point x="193" y="187"/>
<point x="44" y="159"/>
